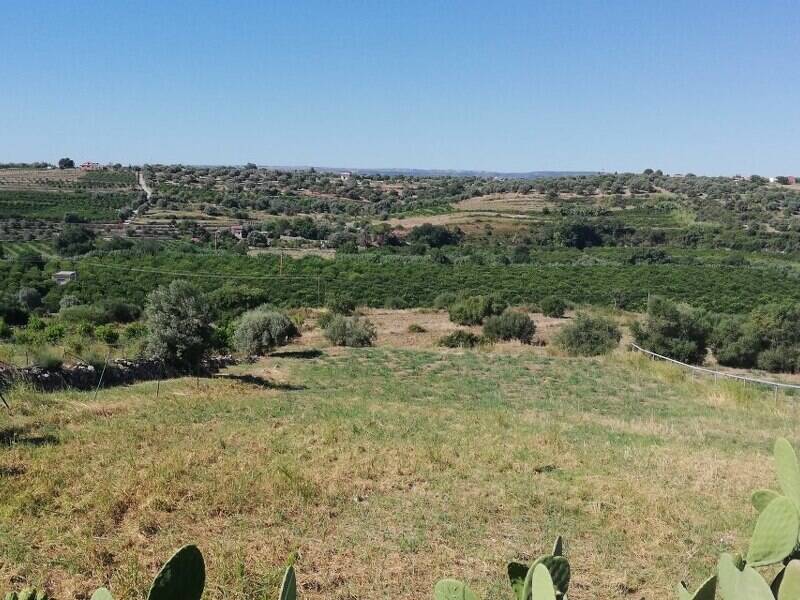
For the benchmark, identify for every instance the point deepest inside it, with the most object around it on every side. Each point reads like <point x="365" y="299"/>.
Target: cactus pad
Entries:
<point x="558" y="547"/>
<point x="450" y="589"/>
<point x="776" y="532"/>
<point x="745" y="584"/>
<point x="761" y="498"/>
<point x="706" y="591"/>
<point x="542" y="587"/>
<point x="181" y="578"/>
<point x="557" y="567"/>
<point x="516" y="574"/>
<point x="788" y="470"/>
<point x="102" y="594"/>
<point x="790" y="584"/>
<point x="289" y="585"/>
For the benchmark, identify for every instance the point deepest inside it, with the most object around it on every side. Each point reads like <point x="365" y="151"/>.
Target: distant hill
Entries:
<point x="445" y="172"/>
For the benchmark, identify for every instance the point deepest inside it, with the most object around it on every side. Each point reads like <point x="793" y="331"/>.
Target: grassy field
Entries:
<point x="14" y="249"/>
<point x="385" y="469"/>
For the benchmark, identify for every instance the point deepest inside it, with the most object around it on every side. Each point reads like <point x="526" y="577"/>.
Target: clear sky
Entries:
<point x="710" y="87"/>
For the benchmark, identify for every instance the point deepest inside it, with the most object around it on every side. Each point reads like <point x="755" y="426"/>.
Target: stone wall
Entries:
<point x="118" y="372"/>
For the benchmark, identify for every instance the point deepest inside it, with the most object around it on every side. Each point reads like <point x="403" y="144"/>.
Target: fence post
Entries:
<point x="102" y="373"/>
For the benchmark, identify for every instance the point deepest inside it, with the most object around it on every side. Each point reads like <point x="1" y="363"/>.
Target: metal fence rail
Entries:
<point x="776" y="385"/>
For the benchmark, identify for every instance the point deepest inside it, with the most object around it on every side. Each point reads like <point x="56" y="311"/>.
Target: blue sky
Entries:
<point x="703" y="86"/>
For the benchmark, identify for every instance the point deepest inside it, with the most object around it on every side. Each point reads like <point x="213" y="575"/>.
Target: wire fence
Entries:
<point x="775" y="385"/>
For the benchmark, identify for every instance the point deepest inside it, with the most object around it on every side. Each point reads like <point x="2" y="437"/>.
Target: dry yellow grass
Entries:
<point x="384" y="469"/>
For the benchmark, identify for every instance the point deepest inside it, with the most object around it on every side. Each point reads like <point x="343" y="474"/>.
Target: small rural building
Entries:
<point x="345" y="175"/>
<point x="90" y="166"/>
<point x="792" y="179"/>
<point x="237" y="231"/>
<point x="64" y="277"/>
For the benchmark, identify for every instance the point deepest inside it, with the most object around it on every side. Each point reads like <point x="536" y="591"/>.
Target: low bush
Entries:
<point x="553" y="306"/>
<point x="54" y="332"/>
<point x="511" y="325"/>
<point x="83" y="312"/>
<point x="416" y="328"/>
<point x="260" y="330"/>
<point x="444" y="300"/>
<point x="769" y="338"/>
<point x="473" y="310"/>
<point x="341" y="305"/>
<point x="324" y="319"/>
<point x="781" y="359"/>
<point x="48" y="359"/>
<point x="107" y="334"/>
<point x="588" y="335"/>
<point x="350" y="331"/>
<point x="674" y="330"/>
<point x="461" y="338"/>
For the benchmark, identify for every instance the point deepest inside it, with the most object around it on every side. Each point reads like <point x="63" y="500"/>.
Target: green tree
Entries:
<point x="66" y="163"/>
<point x="178" y="321"/>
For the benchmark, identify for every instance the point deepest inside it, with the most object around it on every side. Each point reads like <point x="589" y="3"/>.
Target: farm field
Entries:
<point x="53" y="206"/>
<point x="385" y="469"/>
<point x="14" y="249"/>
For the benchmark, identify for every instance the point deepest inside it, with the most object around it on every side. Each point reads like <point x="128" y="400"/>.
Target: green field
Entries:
<point x="14" y="249"/>
<point x="53" y="206"/>
<point x="385" y="469"/>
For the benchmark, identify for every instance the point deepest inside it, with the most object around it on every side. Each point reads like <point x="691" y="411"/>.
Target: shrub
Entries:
<point x="434" y="236"/>
<point x="341" y="305"/>
<point x="781" y="359"/>
<point x="68" y="301"/>
<point x="85" y="313"/>
<point x="85" y="329"/>
<point x="473" y="310"/>
<point x="769" y="337"/>
<point x="733" y="344"/>
<point x="460" y="338"/>
<point x="178" y="322"/>
<point x="134" y="331"/>
<point x="47" y="359"/>
<point x="351" y="331"/>
<point x="54" y="332"/>
<point x="29" y="298"/>
<point x="444" y="300"/>
<point x="674" y="330"/>
<point x="553" y="306"/>
<point x="121" y="312"/>
<point x="107" y="334"/>
<point x="5" y="330"/>
<point x="588" y="335"/>
<point x="324" y="319"/>
<point x="511" y="325"/>
<point x="416" y="328"/>
<point x="260" y="330"/>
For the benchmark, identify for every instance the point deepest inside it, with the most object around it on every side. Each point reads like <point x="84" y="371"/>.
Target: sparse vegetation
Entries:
<point x="461" y="338"/>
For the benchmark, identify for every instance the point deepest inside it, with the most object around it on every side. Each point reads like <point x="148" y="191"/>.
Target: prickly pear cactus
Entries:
<point x="542" y="584"/>
<point x="516" y="574"/>
<point x="27" y="594"/>
<point x="788" y="470"/>
<point x="181" y="578"/>
<point x="706" y="591"/>
<point x="558" y="547"/>
<point x="451" y="589"/>
<point x="744" y="584"/>
<point x="289" y="585"/>
<point x="761" y="498"/>
<point x="790" y="583"/>
<point x="776" y="533"/>
<point x="102" y="594"/>
<point x="557" y="567"/>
